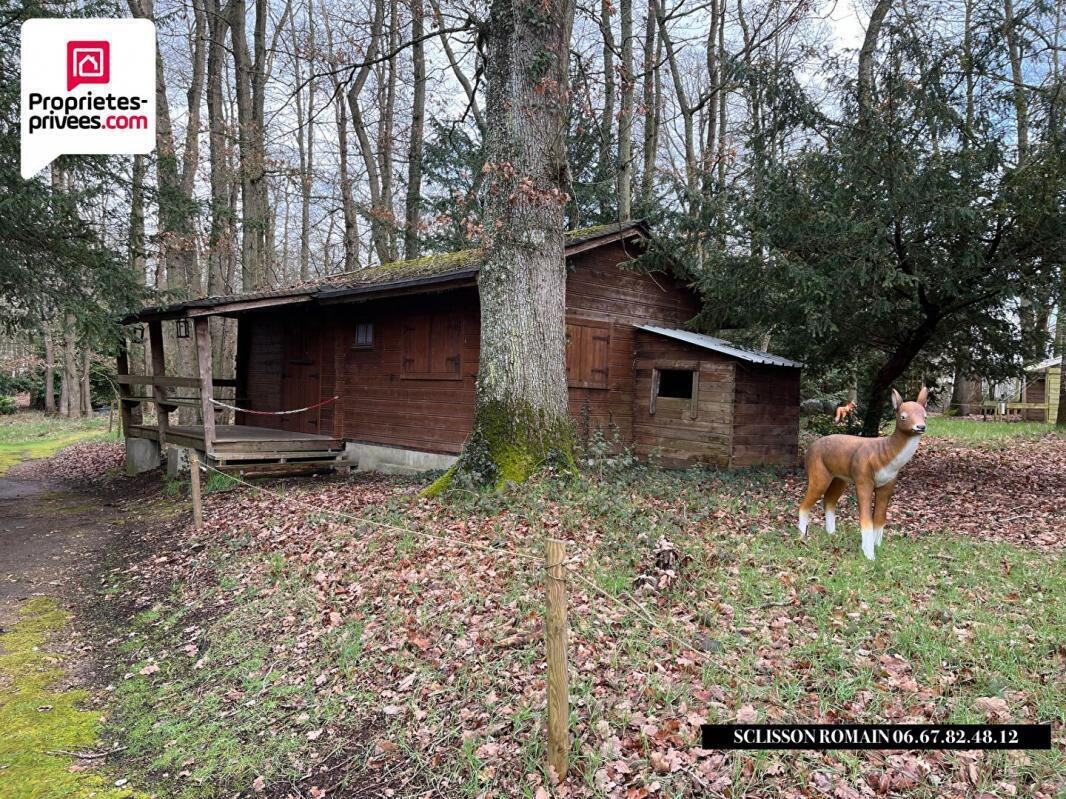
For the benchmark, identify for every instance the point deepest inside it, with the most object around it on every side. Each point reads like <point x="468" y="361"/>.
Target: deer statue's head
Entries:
<point x="910" y="416"/>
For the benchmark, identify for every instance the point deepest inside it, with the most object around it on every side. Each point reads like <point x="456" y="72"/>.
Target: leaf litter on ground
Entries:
<point x="417" y="661"/>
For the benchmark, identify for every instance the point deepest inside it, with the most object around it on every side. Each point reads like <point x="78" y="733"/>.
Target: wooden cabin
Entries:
<point x="385" y="362"/>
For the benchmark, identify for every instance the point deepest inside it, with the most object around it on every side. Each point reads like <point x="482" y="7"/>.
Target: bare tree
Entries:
<point x="351" y="221"/>
<point x="606" y="165"/>
<point x="49" y="369"/>
<point x="625" y="115"/>
<point x="305" y="136"/>
<point x="652" y="97"/>
<point x="414" y="151"/>
<point x="379" y="213"/>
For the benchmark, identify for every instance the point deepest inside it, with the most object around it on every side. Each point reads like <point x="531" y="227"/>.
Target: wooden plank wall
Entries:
<point x="380" y="405"/>
<point x="765" y="415"/>
<point x="672" y="432"/>
<point x="261" y="370"/>
<point x="598" y="290"/>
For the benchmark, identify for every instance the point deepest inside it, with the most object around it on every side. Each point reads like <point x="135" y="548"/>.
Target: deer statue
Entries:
<point x="843" y="412"/>
<point x="871" y="463"/>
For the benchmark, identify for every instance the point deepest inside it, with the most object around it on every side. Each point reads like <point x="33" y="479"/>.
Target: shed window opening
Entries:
<point x="676" y="383"/>
<point x="364" y="336"/>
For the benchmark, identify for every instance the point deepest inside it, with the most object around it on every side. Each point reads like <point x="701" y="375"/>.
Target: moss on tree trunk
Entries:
<point x="510" y="441"/>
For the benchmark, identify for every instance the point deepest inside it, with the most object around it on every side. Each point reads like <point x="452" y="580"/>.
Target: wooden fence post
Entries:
<point x="555" y="629"/>
<point x="194" y="479"/>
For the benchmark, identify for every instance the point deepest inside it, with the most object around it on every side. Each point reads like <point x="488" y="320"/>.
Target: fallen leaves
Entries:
<point x="443" y="638"/>
<point x="747" y="715"/>
<point x="995" y="708"/>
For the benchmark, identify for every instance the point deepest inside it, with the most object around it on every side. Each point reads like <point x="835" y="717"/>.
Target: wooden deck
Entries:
<point x="247" y="449"/>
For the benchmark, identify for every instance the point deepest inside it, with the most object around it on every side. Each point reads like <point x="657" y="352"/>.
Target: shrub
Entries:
<point x="7" y="405"/>
<point x="824" y="424"/>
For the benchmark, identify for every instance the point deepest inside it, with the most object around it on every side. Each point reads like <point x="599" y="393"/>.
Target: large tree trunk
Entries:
<point x="891" y="370"/>
<point x="692" y="170"/>
<point x="966" y="393"/>
<point x="305" y="142"/>
<point x="351" y="220"/>
<point x="378" y="228"/>
<point x="351" y="223"/>
<point x="1060" y="350"/>
<point x="1021" y="104"/>
<point x="177" y="207"/>
<point x="138" y="255"/>
<point x="251" y="86"/>
<point x="521" y="415"/>
<point x="386" y="126"/>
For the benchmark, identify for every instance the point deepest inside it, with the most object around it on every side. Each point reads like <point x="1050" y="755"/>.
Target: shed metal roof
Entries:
<point x="722" y="346"/>
<point x="1047" y="363"/>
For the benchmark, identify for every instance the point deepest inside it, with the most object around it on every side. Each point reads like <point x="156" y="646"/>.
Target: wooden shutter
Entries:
<point x="432" y="347"/>
<point x="588" y="346"/>
<point x="416" y="345"/>
<point x="445" y="342"/>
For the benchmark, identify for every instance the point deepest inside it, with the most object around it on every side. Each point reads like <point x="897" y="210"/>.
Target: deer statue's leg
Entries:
<point x="818" y="480"/>
<point x="865" y="491"/>
<point x="881" y="498"/>
<point x="832" y="496"/>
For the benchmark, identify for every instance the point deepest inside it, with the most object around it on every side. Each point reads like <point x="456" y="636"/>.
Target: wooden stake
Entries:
<point x="194" y="479"/>
<point x="555" y="629"/>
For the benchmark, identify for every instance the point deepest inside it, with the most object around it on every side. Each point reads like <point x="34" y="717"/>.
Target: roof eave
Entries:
<point x="722" y="347"/>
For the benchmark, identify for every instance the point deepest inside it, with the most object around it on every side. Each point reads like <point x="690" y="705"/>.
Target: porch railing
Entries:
<point x="159" y="383"/>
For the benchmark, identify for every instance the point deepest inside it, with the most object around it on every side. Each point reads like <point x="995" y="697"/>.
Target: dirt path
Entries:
<point x="51" y="536"/>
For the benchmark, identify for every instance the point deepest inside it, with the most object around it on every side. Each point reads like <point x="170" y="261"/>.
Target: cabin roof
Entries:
<point x="722" y="346"/>
<point x="1047" y="363"/>
<point x="417" y="274"/>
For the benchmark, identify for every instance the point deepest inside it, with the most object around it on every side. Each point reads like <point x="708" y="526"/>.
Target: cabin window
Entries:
<point x="364" y="336"/>
<point x="676" y="383"/>
<point x="432" y="346"/>
<point x="587" y="347"/>
<point x="676" y="387"/>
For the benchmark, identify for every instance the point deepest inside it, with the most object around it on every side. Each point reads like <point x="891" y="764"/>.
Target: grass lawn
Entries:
<point x="972" y="430"/>
<point x="401" y="646"/>
<point x="31" y="434"/>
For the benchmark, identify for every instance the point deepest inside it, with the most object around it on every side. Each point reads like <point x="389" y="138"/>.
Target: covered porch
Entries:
<point x="243" y="449"/>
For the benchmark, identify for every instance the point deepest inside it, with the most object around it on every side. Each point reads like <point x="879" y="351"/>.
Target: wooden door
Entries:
<point x="301" y="376"/>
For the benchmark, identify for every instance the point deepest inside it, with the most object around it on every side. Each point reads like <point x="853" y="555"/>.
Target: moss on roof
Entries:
<point x="443" y="263"/>
<point x="426" y="266"/>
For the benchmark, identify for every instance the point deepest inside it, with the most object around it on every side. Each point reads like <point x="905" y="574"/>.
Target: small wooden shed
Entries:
<point x="1039" y="396"/>
<point x="703" y="399"/>
<point x="379" y="366"/>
